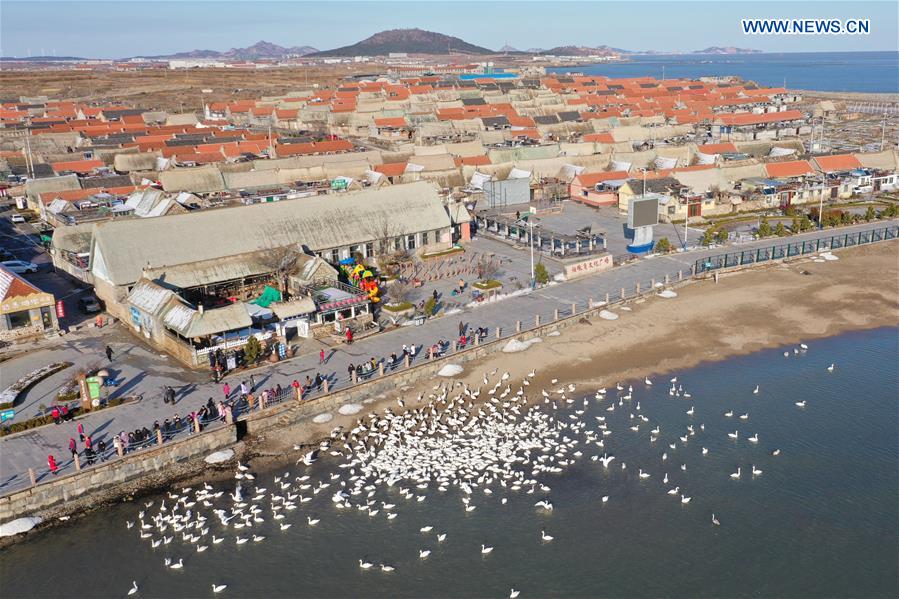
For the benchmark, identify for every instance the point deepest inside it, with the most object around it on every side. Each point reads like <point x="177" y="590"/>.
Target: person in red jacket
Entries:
<point x="73" y="447"/>
<point x="349" y="335"/>
<point x="55" y="413"/>
<point x="51" y="461"/>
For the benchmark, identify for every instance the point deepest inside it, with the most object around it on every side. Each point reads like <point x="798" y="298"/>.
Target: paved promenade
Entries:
<point x="144" y="371"/>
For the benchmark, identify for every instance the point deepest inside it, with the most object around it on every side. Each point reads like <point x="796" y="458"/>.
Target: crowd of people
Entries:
<point x="244" y="397"/>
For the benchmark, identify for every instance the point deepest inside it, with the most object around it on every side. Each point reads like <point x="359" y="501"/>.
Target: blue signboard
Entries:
<point x="7" y="415"/>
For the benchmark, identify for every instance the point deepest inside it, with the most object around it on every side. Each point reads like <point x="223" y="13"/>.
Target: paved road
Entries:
<point x="143" y="371"/>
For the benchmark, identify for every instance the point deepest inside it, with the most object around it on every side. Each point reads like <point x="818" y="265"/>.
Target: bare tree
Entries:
<point x="282" y="262"/>
<point x="399" y="291"/>
<point x="487" y="268"/>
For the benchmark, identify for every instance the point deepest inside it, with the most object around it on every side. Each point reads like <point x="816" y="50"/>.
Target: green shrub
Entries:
<point x="663" y="246"/>
<point x="540" y="274"/>
<point x="252" y="350"/>
<point x="430" y="306"/>
<point x="780" y="230"/>
<point x="765" y="228"/>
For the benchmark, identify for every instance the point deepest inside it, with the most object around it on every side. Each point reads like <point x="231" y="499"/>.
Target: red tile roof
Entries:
<point x="390" y="122"/>
<point x="482" y="160"/>
<point x="792" y="168"/>
<point x="591" y="179"/>
<point x="12" y="285"/>
<point x="77" y="166"/>
<point x="840" y="162"/>
<point x="718" y="148"/>
<point x="603" y="138"/>
<point x="391" y="169"/>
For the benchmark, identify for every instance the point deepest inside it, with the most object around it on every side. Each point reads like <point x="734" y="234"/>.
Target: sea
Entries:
<point x="821" y="519"/>
<point x="819" y="71"/>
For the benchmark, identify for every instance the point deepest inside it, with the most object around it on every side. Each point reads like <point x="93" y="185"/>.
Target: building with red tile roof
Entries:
<point x="792" y="168"/>
<point x="836" y="163"/>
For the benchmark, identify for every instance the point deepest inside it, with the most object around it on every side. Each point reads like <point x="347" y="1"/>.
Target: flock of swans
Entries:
<point x="485" y="450"/>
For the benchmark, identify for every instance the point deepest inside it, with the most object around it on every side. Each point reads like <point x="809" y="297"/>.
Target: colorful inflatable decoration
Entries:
<point x="361" y="277"/>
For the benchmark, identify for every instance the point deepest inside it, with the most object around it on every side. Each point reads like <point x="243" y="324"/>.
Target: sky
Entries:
<point x="125" y="28"/>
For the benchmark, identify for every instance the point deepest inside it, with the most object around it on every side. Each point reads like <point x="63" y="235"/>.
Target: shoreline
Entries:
<point x="651" y="336"/>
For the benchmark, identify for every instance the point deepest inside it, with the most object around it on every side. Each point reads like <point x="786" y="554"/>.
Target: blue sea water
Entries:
<point x="820" y="71"/>
<point x="820" y="521"/>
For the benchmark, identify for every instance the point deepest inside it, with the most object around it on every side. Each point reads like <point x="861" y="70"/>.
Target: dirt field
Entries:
<point x="168" y="89"/>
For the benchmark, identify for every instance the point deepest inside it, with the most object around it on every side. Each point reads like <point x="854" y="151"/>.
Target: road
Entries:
<point x="143" y="371"/>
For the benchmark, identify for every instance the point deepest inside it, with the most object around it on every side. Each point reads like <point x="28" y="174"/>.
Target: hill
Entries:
<point x="410" y="41"/>
<point x="727" y="50"/>
<point x="584" y="51"/>
<point x="260" y="49"/>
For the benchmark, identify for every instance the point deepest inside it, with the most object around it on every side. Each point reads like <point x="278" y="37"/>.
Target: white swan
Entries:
<point x="647" y="381"/>
<point x="830" y="368"/>
<point x="178" y="566"/>
<point x="643" y="474"/>
<point x="801" y="404"/>
<point x="218" y="588"/>
<point x="755" y="391"/>
<point x="423" y="553"/>
<point x="754" y="438"/>
<point x="513" y="593"/>
<point x="311" y="521"/>
<point x="545" y="537"/>
<point x="756" y="471"/>
<point x="736" y="475"/>
<point x="133" y="588"/>
<point x="685" y="500"/>
<point x="734" y="435"/>
<point x="715" y="520"/>
<point x="674" y="491"/>
<point x="365" y="565"/>
<point x="485" y="550"/>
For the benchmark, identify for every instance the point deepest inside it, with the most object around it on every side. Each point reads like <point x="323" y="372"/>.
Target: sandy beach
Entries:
<point x="764" y="307"/>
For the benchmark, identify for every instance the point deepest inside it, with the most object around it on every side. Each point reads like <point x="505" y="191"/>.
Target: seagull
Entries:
<point x="219" y="588"/>
<point x="133" y="588"/>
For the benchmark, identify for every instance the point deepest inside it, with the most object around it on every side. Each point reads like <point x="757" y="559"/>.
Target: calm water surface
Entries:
<point x="821" y="521"/>
<point x="822" y="71"/>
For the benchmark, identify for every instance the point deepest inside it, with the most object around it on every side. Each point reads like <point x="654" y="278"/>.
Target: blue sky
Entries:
<point x="113" y="29"/>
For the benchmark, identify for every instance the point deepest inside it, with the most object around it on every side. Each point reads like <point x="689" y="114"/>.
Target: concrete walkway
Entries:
<point x="144" y="372"/>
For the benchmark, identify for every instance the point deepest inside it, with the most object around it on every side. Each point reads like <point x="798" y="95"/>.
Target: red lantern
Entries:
<point x="60" y="309"/>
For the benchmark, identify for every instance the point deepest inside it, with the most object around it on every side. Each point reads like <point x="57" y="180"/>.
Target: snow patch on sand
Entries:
<point x="218" y="457"/>
<point x="19" y="525"/>
<point x="514" y="345"/>
<point x="606" y="315"/>
<point x="349" y="409"/>
<point x="667" y="294"/>
<point x="450" y="370"/>
<point x="323" y="418"/>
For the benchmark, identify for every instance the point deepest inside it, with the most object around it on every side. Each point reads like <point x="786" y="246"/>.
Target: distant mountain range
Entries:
<point x="258" y="50"/>
<point x="727" y="50"/>
<point x="410" y="41"/>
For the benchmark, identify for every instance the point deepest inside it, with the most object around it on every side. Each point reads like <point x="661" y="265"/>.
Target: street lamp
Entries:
<point x="530" y="221"/>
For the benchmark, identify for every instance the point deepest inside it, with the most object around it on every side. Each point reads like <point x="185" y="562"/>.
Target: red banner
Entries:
<point x="60" y="309"/>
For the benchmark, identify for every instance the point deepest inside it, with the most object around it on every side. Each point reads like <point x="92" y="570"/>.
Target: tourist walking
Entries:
<point x="321" y="356"/>
<point x="55" y="413"/>
<point x="73" y="447"/>
<point x="66" y="414"/>
<point x="349" y="336"/>
<point x="350" y="370"/>
<point x="80" y="429"/>
<point x="109" y="353"/>
<point x="101" y="450"/>
<point x="252" y="382"/>
<point x="51" y="462"/>
<point x="244" y="390"/>
<point x="226" y="389"/>
<point x="461" y="328"/>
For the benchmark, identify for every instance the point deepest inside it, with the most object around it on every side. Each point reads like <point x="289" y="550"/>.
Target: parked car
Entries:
<point x="17" y="218"/>
<point x="20" y="266"/>
<point x="89" y="304"/>
<point x="5" y="254"/>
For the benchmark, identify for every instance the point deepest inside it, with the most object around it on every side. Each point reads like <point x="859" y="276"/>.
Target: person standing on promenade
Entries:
<point x="80" y="429"/>
<point x="244" y="390"/>
<point x="321" y="356"/>
<point x="73" y="447"/>
<point x="51" y="462"/>
<point x="461" y="328"/>
<point x="55" y="413"/>
<point x="226" y="389"/>
<point x="108" y="353"/>
<point x="252" y="382"/>
<point x="349" y="336"/>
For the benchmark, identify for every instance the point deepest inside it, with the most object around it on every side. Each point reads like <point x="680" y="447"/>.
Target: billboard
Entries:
<point x="642" y="212"/>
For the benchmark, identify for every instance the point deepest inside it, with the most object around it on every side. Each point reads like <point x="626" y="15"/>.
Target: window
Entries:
<point x="335" y="256"/>
<point x="369" y="250"/>
<point x="18" y="320"/>
<point x="424" y="238"/>
<point x="398" y="244"/>
<point x="410" y="242"/>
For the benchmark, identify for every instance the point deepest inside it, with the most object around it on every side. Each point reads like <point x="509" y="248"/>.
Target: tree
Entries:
<point x="384" y="233"/>
<point x="663" y="246"/>
<point x="764" y="228"/>
<point x="540" y="274"/>
<point x="430" y="306"/>
<point x="708" y="236"/>
<point x="780" y="230"/>
<point x="870" y="214"/>
<point x="487" y="268"/>
<point x="889" y="211"/>
<point x="796" y="225"/>
<point x="252" y="350"/>
<point x="399" y="291"/>
<point x="721" y="236"/>
<point x="805" y="224"/>
<point x="282" y="262"/>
